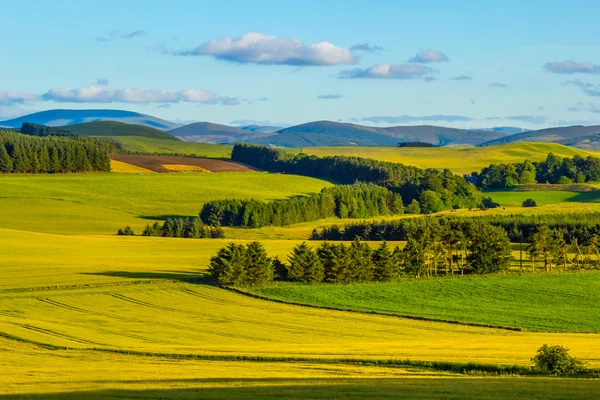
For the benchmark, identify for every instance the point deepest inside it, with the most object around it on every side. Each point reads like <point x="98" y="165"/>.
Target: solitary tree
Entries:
<point x="556" y="360"/>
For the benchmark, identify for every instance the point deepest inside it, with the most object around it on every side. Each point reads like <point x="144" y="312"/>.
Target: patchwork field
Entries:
<point x="165" y="146"/>
<point x="163" y="163"/>
<point x="103" y="203"/>
<point x="458" y="160"/>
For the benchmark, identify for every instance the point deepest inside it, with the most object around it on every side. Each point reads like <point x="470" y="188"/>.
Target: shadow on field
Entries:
<point x="340" y="388"/>
<point x="585" y="197"/>
<point x="198" y="277"/>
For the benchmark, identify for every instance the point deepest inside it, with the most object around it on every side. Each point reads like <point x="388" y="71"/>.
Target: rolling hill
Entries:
<point x="591" y="142"/>
<point x="112" y="128"/>
<point x="260" y="128"/>
<point x="71" y="117"/>
<point x="214" y="133"/>
<point x="559" y="134"/>
<point x="376" y="136"/>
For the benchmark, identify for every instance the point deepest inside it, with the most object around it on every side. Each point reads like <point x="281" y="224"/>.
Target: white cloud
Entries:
<point x="389" y="71"/>
<point x="96" y="94"/>
<point x="258" y="48"/>
<point x="9" y="97"/>
<point x="9" y="112"/>
<point x="429" y="56"/>
<point x="572" y="67"/>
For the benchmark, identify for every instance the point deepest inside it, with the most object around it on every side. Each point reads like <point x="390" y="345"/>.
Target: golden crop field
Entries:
<point x="460" y="160"/>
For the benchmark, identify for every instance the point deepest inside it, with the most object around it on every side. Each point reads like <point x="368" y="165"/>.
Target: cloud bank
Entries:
<point x="257" y="48"/>
<point x="11" y="97"/>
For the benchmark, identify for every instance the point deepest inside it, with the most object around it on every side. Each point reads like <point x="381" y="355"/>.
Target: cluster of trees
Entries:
<point x="553" y="169"/>
<point x="52" y="154"/>
<point x="191" y="228"/>
<point x="416" y="144"/>
<point x="42" y="130"/>
<point x="426" y="253"/>
<point x="423" y="191"/>
<point x="359" y="200"/>
<point x="580" y="227"/>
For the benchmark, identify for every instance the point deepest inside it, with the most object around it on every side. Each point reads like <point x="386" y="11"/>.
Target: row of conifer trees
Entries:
<point x="359" y="200"/>
<point x="191" y="228"/>
<point x="52" y="154"/>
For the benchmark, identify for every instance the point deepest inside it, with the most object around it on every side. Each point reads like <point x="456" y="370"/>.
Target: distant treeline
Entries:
<point x="191" y="228"/>
<point x="359" y="200"/>
<point x="52" y="154"/>
<point x="416" y="144"/>
<point x="42" y="130"/>
<point x="582" y="228"/>
<point x="423" y="191"/>
<point x="553" y="169"/>
<point x="482" y="249"/>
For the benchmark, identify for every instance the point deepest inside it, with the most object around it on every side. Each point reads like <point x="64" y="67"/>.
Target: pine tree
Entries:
<point x="6" y="163"/>
<point x="259" y="267"/>
<point x="305" y="265"/>
<point x="331" y="258"/>
<point x="360" y="261"/>
<point x="44" y="160"/>
<point x="228" y="266"/>
<point x="414" y="255"/>
<point x="386" y="268"/>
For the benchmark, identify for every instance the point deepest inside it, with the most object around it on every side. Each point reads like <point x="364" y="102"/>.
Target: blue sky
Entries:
<point x="462" y="63"/>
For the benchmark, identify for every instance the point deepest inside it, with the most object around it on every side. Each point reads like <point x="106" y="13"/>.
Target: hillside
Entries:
<point x="214" y="133"/>
<point x="70" y="117"/>
<point x="260" y="128"/>
<point x="139" y="144"/>
<point x="457" y="159"/>
<point x="389" y="136"/>
<point x="112" y="128"/>
<point x="317" y="140"/>
<point x="567" y="133"/>
<point x="591" y="142"/>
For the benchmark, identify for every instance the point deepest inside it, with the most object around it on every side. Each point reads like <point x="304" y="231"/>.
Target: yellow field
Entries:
<point x="458" y="160"/>
<point x="125" y="168"/>
<point x="184" y="168"/>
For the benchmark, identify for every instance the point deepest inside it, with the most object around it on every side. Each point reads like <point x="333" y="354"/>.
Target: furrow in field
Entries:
<point x="54" y="333"/>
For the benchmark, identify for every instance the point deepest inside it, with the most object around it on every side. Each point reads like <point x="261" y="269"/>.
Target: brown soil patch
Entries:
<point x="157" y="163"/>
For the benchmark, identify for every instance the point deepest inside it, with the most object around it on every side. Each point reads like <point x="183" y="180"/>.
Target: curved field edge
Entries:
<point x="537" y="303"/>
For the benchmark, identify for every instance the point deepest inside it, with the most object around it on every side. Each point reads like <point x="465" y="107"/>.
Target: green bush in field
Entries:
<point x="556" y="360"/>
<point x="529" y="203"/>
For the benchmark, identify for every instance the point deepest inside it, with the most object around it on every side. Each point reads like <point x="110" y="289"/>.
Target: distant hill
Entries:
<point x="376" y="136"/>
<point x="310" y="140"/>
<point x="591" y="142"/>
<point x="262" y="129"/>
<point x="71" y="117"/>
<point x="509" y="130"/>
<point x="559" y="134"/>
<point x="214" y="133"/>
<point x="112" y="128"/>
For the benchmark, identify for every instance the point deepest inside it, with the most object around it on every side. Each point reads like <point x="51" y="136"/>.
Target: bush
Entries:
<point x="556" y="360"/>
<point x="529" y="203"/>
<point x="127" y="231"/>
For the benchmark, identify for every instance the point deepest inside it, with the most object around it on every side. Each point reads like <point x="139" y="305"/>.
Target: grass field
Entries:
<point x="458" y="160"/>
<point x="543" y="197"/>
<point x="543" y="302"/>
<point x="108" y="299"/>
<point x="166" y="146"/>
<point x="103" y="203"/>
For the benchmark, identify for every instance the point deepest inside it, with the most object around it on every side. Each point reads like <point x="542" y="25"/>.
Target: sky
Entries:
<point x="477" y="64"/>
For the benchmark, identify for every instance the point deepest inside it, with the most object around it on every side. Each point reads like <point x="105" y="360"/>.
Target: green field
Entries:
<point x="542" y="302"/>
<point x="167" y="146"/>
<point x="103" y="203"/>
<point x="543" y="197"/>
<point x="458" y="160"/>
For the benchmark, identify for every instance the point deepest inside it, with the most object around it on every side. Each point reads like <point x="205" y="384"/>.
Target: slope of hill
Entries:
<point x="318" y="140"/>
<point x="214" y="133"/>
<point x="112" y="128"/>
<point x="139" y="144"/>
<point x="548" y="135"/>
<point x="70" y="117"/>
<point x="389" y="136"/>
<point x="591" y="142"/>
<point x="458" y="160"/>
<point x="261" y="129"/>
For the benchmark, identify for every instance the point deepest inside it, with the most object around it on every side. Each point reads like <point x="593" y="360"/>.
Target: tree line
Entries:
<point x="359" y="200"/>
<point x="31" y="129"/>
<point x="554" y="170"/>
<point x="427" y="253"/>
<point x="52" y="154"/>
<point x="423" y="190"/>
<point x="191" y="228"/>
<point x="580" y="227"/>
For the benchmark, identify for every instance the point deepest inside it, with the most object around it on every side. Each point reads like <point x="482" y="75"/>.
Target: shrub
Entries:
<point x="556" y="360"/>
<point x="127" y="231"/>
<point x="529" y="203"/>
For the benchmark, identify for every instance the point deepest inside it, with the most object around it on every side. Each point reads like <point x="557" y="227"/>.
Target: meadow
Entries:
<point x="460" y="160"/>
<point x="104" y="202"/>
<point x="542" y="302"/>
<point x="140" y="144"/>
<point x="543" y="197"/>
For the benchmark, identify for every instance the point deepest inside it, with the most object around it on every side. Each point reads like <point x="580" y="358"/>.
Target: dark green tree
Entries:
<point x="228" y="266"/>
<point x="489" y="249"/>
<point x="386" y="265"/>
<point x="305" y="266"/>
<point x="259" y="267"/>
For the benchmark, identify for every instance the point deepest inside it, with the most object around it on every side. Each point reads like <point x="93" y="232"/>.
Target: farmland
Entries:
<point x="543" y="197"/>
<point x="140" y="144"/>
<point x="460" y="160"/>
